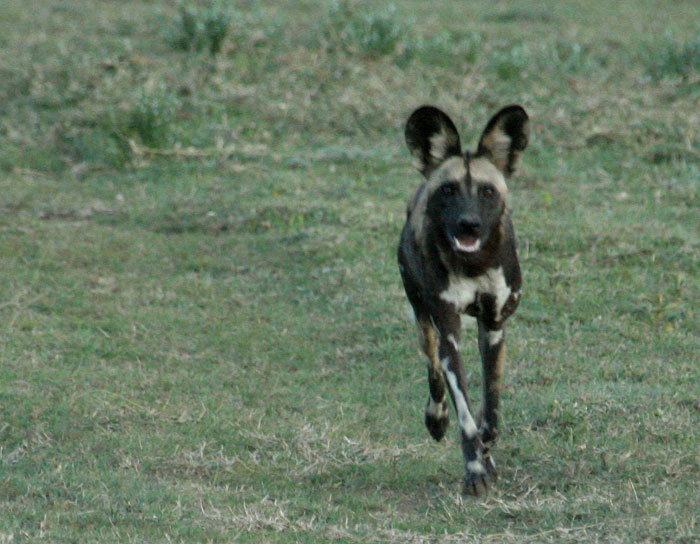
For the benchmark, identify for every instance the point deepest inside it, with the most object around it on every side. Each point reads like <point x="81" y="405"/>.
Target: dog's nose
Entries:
<point x="469" y="224"/>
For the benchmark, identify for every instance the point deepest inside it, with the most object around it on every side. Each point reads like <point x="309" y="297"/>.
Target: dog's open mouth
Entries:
<point x="466" y="243"/>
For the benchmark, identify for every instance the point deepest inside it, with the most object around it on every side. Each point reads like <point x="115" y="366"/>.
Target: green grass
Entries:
<point x="204" y="333"/>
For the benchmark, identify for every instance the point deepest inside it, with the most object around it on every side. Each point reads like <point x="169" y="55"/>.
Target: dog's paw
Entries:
<point x="436" y="419"/>
<point x="477" y="480"/>
<point x="437" y="426"/>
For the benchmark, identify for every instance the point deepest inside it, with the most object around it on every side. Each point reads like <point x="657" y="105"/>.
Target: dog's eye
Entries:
<point x="487" y="192"/>
<point x="448" y="190"/>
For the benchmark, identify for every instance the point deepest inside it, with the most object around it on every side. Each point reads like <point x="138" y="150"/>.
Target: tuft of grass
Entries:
<point x="190" y="29"/>
<point x="200" y="28"/>
<point x="151" y="118"/>
<point x="216" y="25"/>
<point x="674" y="60"/>
<point x="373" y="34"/>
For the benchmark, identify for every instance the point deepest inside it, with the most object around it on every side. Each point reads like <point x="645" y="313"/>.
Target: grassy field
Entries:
<point x="204" y="336"/>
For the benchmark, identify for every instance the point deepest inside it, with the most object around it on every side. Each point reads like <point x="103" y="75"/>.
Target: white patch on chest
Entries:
<point x="462" y="291"/>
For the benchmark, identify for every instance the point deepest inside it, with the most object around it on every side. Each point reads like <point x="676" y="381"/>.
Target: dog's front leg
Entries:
<point x="476" y="479"/>
<point x="493" y="355"/>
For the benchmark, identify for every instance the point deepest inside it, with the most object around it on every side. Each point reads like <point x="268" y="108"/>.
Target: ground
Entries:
<point x="204" y="336"/>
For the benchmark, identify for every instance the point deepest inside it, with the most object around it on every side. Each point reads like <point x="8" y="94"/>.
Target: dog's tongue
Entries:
<point x="467" y="243"/>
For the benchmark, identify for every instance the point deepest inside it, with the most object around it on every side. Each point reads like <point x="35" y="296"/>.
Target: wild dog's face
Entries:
<point x="464" y="197"/>
<point x="465" y="201"/>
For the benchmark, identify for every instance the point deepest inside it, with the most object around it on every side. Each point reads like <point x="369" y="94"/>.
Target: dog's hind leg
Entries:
<point x="436" y="414"/>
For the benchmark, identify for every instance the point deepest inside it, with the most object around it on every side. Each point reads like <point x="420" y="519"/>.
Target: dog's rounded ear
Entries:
<point x="504" y="138"/>
<point x="431" y="137"/>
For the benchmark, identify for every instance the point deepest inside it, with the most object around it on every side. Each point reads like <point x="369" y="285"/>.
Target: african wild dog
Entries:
<point x="457" y="255"/>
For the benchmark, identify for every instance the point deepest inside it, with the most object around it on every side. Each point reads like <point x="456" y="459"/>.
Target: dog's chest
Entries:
<point x="463" y="292"/>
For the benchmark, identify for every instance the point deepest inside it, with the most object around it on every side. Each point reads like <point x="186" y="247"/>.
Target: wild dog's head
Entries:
<point x="464" y="198"/>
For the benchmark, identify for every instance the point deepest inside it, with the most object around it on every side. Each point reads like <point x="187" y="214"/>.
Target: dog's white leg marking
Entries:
<point x="452" y="340"/>
<point x="466" y="421"/>
<point x="476" y="467"/>
<point x="437" y="410"/>
<point x="495" y="337"/>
